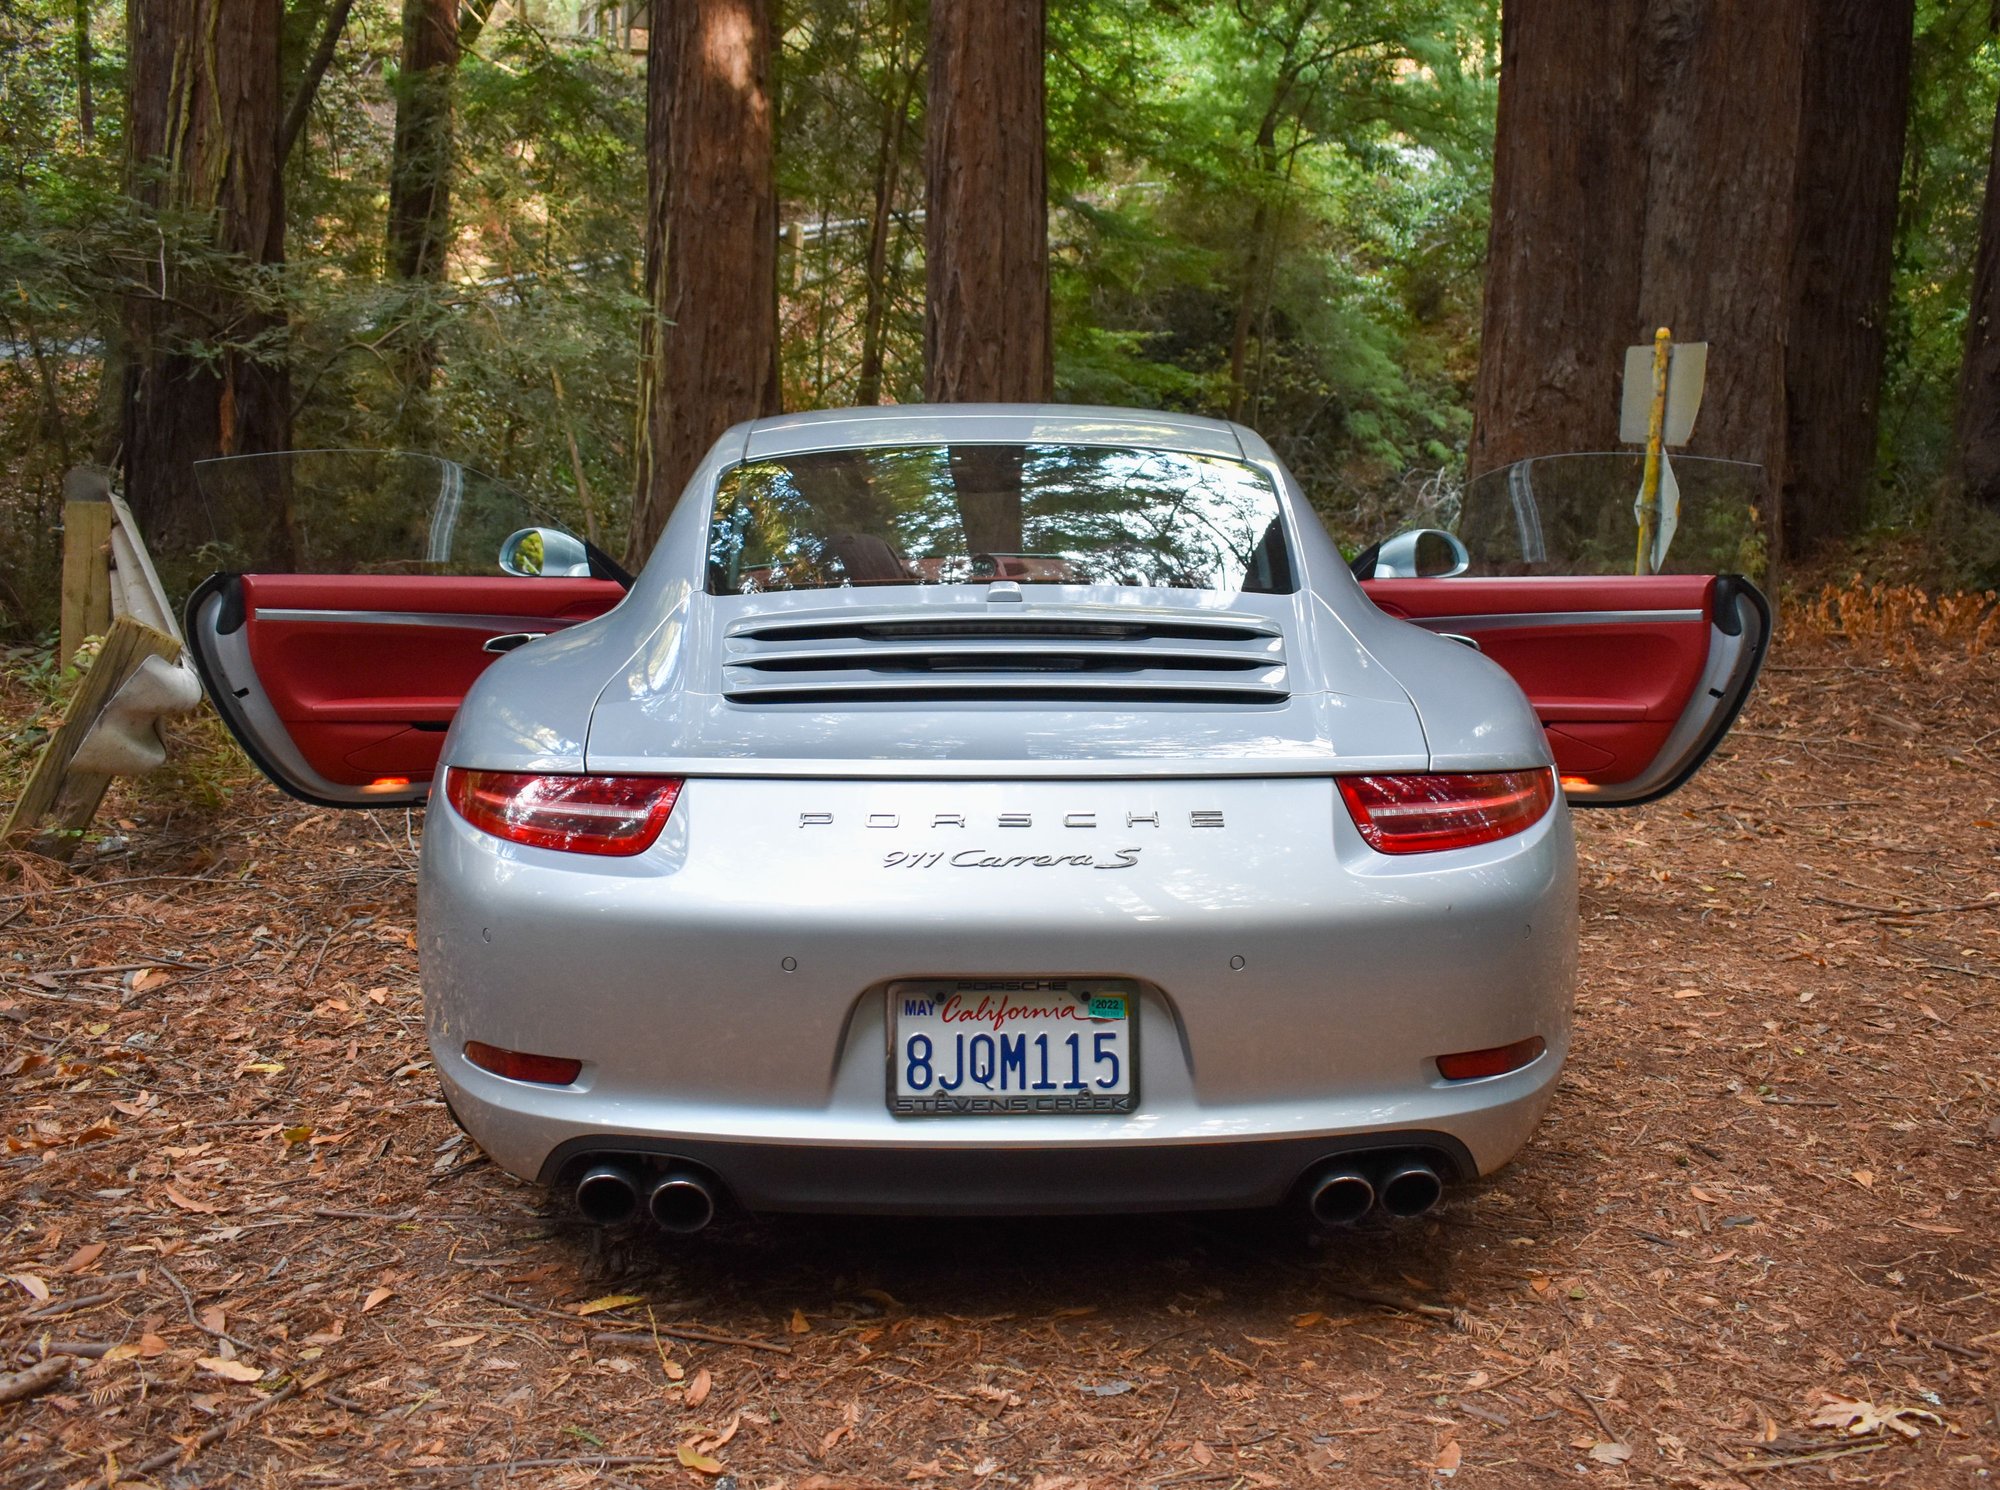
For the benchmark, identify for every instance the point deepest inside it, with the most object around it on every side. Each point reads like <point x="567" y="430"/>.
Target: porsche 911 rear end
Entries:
<point x="989" y="817"/>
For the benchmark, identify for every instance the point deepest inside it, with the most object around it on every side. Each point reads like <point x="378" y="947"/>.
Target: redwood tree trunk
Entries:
<point x="1978" y="453"/>
<point x="986" y="229"/>
<point x="1726" y="83"/>
<point x="201" y="138"/>
<point x="709" y="352"/>
<point x="1857" y="97"/>
<point x="420" y="191"/>
<point x="1569" y="183"/>
<point x="1693" y="164"/>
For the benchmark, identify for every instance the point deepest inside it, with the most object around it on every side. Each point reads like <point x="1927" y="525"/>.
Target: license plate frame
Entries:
<point x="1061" y="1102"/>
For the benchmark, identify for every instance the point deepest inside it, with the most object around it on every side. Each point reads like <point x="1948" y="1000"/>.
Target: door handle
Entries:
<point x="512" y="640"/>
<point x="1450" y="636"/>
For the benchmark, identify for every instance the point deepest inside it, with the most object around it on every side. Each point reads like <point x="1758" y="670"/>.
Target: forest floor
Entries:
<point x="1757" y="1242"/>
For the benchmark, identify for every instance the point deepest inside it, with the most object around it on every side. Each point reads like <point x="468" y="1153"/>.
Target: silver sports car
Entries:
<point x="989" y="809"/>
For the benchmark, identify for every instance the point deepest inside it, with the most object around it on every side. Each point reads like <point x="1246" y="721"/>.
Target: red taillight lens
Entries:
<point x="612" y="815"/>
<point x="519" y="1065"/>
<point x="1423" y="814"/>
<point x="1470" y="1065"/>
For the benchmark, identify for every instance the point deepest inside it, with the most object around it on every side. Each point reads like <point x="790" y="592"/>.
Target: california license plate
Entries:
<point x="1013" y="1045"/>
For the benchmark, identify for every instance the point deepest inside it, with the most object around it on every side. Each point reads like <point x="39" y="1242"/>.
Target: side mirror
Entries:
<point x="1421" y="553"/>
<point x="545" y="553"/>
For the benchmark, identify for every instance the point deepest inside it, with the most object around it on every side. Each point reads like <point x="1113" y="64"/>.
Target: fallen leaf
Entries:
<point x="609" y="1301"/>
<point x="83" y="1257"/>
<point x="1859" y="1418"/>
<point x="1448" y="1459"/>
<point x="214" y="1320"/>
<point x="699" y="1388"/>
<point x="693" y="1458"/>
<point x="1865" y="1178"/>
<point x="298" y="1135"/>
<point x="1107" y="1389"/>
<point x="376" y="1296"/>
<point x="234" y="1370"/>
<point x="190" y="1205"/>
<point x="267" y="1068"/>
<point x="798" y="1326"/>
<point x="35" y="1287"/>
<point x="1610" y="1453"/>
<point x="150" y="979"/>
<point x="151" y="1345"/>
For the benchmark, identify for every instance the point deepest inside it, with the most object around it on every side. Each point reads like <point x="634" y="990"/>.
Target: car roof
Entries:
<point x="988" y="424"/>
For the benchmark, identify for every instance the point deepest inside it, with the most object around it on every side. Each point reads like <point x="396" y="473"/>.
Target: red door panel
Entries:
<point x="364" y="672"/>
<point x="1610" y="664"/>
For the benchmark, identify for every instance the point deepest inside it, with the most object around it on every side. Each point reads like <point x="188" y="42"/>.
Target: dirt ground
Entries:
<point x="1757" y="1242"/>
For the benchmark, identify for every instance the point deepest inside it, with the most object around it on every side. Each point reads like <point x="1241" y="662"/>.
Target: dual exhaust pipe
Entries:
<point x="679" y="1201"/>
<point x="1340" y="1194"/>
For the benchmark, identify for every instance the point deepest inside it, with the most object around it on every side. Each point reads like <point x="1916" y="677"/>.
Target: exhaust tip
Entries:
<point x="681" y="1202"/>
<point x="1339" y="1197"/>
<point x="1409" y="1188"/>
<point x="607" y="1195"/>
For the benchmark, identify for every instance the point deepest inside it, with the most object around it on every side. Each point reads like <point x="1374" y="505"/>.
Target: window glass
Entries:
<point x="354" y="512"/>
<point x="1573" y="514"/>
<point x="972" y="514"/>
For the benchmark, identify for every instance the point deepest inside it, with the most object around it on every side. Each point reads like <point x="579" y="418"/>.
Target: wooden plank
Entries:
<point x="62" y="799"/>
<point x="86" y="571"/>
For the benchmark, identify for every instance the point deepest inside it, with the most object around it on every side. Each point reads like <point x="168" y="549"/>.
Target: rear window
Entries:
<point x="973" y="514"/>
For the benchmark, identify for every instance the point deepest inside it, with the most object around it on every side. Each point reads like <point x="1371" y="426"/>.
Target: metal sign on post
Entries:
<point x="1663" y="387"/>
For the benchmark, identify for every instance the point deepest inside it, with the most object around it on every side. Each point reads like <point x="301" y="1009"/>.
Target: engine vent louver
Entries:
<point x="1076" y="659"/>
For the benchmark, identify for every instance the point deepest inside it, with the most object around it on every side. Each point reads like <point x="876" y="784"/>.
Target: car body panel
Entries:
<point x="1358" y="969"/>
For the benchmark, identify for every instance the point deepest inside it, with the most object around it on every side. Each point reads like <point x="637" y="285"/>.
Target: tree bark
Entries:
<point x="201" y="139"/>
<point x="1726" y="81"/>
<point x="1567" y="227"/>
<point x="986" y="230"/>
<point x="881" y="224"/>
<point x="1857" y="97"/>
<point x="420" y="197"/>
<point x="86" y="60"/>
<point x="1695" y="164"/>
<point x="709" y="351"/>
<point x="1977" y="456"/>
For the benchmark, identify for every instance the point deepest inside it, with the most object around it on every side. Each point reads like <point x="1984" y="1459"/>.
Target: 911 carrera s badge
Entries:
<point x="979" y="858"/>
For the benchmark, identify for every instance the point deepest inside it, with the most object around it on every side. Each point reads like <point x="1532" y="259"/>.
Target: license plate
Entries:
<point x="970" y="1046"/>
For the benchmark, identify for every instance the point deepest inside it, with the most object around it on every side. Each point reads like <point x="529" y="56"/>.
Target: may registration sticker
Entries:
<point x="996" y="1046"/>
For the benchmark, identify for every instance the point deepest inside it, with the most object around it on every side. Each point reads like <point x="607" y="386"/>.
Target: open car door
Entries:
<point x="1636" y="678"/>
<point x="340" y="686"/>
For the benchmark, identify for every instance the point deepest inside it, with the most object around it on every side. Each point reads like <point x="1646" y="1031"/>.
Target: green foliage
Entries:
<point x="1955" y="82"/>
<point x="1278" y="214"/>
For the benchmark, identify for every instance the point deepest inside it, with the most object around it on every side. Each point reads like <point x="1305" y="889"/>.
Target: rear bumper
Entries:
<point x="1296" y="989"/>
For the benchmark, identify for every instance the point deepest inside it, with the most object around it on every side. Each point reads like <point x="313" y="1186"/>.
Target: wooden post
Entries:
<point x="1649" y="491"/>
<point x="86" y="570"/>
<point x="71" y="797"/>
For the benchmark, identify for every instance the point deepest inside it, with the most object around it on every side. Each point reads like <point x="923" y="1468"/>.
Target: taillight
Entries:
<point x="1423" y="814"/>
<point x="611" y="815"/>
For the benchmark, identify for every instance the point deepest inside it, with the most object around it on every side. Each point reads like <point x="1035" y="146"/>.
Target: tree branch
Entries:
<point x="322" y="59"/>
